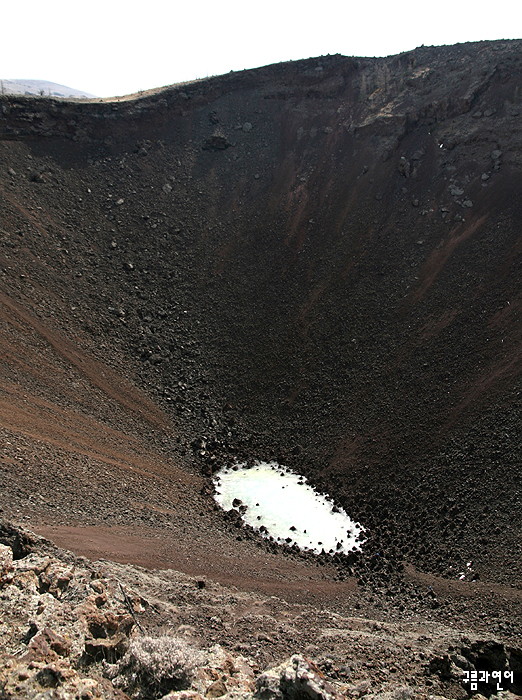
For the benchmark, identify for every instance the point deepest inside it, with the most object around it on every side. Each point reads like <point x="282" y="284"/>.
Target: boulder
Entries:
<point x="295" y="679"/>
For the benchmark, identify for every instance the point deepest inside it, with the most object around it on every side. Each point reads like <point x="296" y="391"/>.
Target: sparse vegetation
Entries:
<point x="154" y="666"/>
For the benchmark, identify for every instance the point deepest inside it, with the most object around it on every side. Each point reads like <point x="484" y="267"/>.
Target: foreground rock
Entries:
<point x="296" y="678"/>
<point x="75" y="629"/>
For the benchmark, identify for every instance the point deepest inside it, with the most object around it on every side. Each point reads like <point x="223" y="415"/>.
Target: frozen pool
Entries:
<point x="279" y="503"/>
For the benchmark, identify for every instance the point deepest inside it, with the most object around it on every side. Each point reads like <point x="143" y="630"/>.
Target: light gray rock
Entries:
<point x="294" y="679"/>
<point x="6" y="564"/>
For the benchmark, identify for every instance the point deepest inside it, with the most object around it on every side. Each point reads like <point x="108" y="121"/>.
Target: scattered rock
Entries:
<point x="109" y="650"/>
<point x="216" y="689"/>
<point x="455" y="191"/>
<point x="216" y="143"/>
<point x="36" y="177"/>
<point x="404" y="166"/>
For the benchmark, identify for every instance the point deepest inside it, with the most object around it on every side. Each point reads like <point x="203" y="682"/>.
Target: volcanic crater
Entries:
<point x="315" y="263"/>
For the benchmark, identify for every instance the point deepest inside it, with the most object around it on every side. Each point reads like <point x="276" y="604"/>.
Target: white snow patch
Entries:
<point x="279" y="503"/>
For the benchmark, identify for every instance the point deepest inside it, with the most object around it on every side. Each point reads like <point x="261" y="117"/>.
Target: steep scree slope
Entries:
<point x="313" y="261"/>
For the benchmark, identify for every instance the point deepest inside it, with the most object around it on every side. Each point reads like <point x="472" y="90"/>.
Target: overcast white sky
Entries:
<point x="112" y="47"/>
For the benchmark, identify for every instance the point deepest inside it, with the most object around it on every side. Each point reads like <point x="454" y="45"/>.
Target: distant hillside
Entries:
<point x="39" y="87"/>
